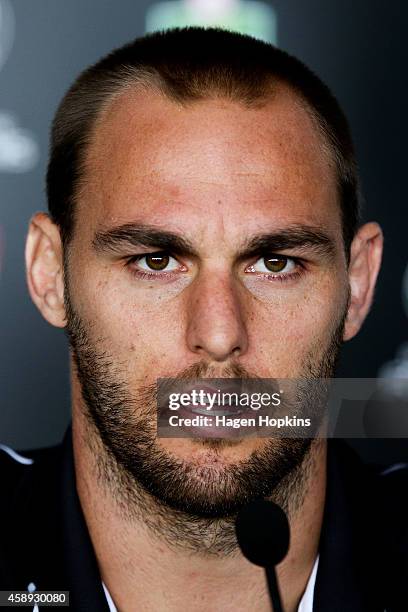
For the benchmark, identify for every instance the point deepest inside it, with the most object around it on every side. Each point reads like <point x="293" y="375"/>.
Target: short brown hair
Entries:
<point x="191" y="64"/>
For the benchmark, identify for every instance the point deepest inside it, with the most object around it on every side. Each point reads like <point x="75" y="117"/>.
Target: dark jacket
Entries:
<point x="363" y="564"/>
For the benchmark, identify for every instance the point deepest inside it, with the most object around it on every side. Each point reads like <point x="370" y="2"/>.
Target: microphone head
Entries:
<point x="263" y="533"/>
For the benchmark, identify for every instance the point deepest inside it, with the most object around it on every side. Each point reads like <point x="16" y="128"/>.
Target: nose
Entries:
<point x="216" y="329"/>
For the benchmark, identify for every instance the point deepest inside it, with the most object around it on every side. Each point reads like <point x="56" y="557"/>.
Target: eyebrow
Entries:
<point x="293" y="237"/>
<point x="131" y="235"/>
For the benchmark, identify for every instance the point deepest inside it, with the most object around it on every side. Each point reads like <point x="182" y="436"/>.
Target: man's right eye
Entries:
<point x="159" y="261"/>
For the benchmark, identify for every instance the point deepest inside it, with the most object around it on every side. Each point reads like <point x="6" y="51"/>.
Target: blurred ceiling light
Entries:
<point x="18" y="148"/>
<point x="246" y="16"/>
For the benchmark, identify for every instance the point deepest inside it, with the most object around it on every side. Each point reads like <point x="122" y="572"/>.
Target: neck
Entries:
<point x="144" y="571"/>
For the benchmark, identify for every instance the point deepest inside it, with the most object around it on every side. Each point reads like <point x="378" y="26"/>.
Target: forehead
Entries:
<point x="210" y="161"/>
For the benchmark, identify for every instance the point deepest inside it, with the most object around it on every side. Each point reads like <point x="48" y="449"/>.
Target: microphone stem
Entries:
<point x="274" y="589"/>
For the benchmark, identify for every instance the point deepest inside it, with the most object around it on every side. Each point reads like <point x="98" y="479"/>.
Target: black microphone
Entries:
<point x="263" y="535"/>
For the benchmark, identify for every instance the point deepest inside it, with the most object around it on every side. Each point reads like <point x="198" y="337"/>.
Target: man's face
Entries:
<point x="257" y="281"/>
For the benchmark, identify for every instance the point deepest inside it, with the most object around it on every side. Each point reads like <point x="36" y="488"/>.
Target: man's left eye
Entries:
<point x="273" y="264"/>
<point x="157" y="262"/>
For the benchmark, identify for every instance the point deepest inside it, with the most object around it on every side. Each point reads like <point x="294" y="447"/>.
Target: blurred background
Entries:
<point x="357" y="47"/>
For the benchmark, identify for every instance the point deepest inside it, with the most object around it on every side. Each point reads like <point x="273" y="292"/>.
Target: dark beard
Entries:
<point x="190" y="505"/>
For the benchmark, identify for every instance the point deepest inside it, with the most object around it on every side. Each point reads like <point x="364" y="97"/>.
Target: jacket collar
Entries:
<point x="349" y="575"/>
<point x="81" y="568"/>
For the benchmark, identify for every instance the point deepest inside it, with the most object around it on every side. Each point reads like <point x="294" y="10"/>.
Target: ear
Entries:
<point x="44" y="268"/>
<point x="365" y="261"/>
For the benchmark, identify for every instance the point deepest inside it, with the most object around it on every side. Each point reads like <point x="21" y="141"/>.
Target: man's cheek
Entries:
<point x="285" y="337"/>
<point x="140" y="334"/>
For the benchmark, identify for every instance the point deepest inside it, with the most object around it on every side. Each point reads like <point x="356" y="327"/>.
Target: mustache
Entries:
<point x="233" y="378"/>
<point x="200" y="371"/>
<point x="206" y="370"/>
